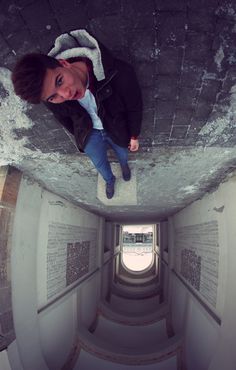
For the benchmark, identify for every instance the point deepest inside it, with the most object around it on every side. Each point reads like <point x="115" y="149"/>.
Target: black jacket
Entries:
<point x="119" y="103"/>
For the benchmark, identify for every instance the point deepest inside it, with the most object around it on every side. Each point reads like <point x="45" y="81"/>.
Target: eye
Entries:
<point x="59" y="81"/>
<point x="51" y="99"/>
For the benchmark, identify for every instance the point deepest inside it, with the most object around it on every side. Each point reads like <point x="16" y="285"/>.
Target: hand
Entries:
<point x="133" y="145"/>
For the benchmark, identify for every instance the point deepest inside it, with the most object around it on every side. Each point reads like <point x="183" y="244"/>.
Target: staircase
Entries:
<point x="132" y="326"/>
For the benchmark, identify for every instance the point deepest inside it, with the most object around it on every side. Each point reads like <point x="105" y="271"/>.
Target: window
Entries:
<point x="137" y="247"/>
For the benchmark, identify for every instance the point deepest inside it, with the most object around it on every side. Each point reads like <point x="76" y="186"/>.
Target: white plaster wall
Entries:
<point x="4" y="362"/>
<point x="13" y="356"/>
<point x="56" y="209"/>
<point x="57" y="327"/>
<point x="24" y="282"/>
<point x="88" y="298"/>
<point x="44" y="340"/>
<point x="105" y="280"/>
<point x="109" y="235"/>
<point x="208" y="345"/>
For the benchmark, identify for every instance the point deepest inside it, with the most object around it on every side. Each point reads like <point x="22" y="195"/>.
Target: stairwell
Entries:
<point x="133" y="325"/>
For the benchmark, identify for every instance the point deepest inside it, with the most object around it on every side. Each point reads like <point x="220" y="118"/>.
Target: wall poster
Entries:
<point x="71" y="254"/>
<point x="197" y="258"/>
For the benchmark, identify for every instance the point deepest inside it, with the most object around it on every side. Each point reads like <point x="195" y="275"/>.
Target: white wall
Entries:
<point x="209" y="345"/>
<point x="44" y="340"/>
<point x="88" y="299"/>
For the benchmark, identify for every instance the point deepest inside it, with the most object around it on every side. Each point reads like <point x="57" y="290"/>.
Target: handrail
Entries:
<point x="207" y="308"/>
<point x="68" y="290"/>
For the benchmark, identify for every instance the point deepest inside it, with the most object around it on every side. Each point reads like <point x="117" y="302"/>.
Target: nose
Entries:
<point x="65" y="92"/>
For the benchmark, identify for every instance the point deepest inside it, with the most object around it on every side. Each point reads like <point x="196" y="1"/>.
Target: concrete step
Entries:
<point x="135" y="292"/>
<point x="116" y="315"/>
<point x="88" y="361"/>
<point x="135" y="306"/>
<point x="133" y="337"/>
<point x="122" y="279"/>
<point x="105" y="349"/>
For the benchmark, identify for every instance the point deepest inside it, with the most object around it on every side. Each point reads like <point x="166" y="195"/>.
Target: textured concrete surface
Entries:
<point x="184" y="56"/>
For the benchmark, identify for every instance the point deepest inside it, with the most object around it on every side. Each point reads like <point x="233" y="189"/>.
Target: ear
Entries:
<point x="64" y="63"/>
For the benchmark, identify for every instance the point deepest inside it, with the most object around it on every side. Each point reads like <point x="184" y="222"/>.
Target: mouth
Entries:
<point x="77" y="95"/>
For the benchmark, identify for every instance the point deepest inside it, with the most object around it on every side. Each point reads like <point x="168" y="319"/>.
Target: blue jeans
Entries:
<point x="96" y="150"/>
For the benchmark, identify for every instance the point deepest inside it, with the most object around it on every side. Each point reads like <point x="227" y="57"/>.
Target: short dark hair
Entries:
<point x="29" y="73"/>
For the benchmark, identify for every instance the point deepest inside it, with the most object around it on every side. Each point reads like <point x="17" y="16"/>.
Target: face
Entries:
<point x="66" y="82"/>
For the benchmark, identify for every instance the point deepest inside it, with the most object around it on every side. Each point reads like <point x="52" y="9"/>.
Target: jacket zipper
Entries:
<point x="105" y="83"/>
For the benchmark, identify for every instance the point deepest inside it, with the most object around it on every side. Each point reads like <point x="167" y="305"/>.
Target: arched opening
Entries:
<point x="137" y="247"/>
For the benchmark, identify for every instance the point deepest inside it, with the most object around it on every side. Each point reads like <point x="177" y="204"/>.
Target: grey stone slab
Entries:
<point x="11" y="23"/>
<point x="161" y="139"/>
<point x="22" y="43"/>
<point x="203" y="109"/>
<point x="40" y="114"/>
<point x="177" y="142"/>
<point x="141" y="45"/>
<point x="186" y="97"/>
<point x="210" y="89"/>
<point x="183" y="116"/>
<point x="163" y="126"/>
<point x="44" y="27"/>
<point x="202" y="44"/>
<point x="173" y="5"/>
<point x="169" y="61"/>
<point x="145" y="142"/>
<point x="201" y="21"/>
<point x="145" y="73"/>
<point x="179" y="132"/>
<point x="132" y="7"/>
<point x="4" y="48"/>
<point x="103" y="34"/>
<point x="22" y="132"/>
<point x="148" y="123"/>
<point x="171" y="29"/>
<point x="70" y="15"/>
<point x="124" y="54"/>
<point x="138" y="14"/>
<point x="191" y="75"/>
<point x="167" y="87"/>
<point x="99" y="8"/>
<point x="230" y="79"/>
<point x="148" y="98"/>
<point x="139" y="22"/>
<point x="197" y="123"/>
<point x="165" y="109"/>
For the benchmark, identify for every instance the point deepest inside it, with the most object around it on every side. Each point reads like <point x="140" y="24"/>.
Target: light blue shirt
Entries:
<point x="89" y="103"/>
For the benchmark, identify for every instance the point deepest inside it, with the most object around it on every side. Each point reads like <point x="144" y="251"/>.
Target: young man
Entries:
<point x="93" y="95"/>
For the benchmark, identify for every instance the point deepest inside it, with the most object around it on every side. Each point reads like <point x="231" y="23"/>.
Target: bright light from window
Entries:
<point x="137" y="246"/>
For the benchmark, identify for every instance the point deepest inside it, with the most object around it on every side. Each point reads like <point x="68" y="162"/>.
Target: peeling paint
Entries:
<point x="57" y="203"/>
<point x="214" y="130"/>
<point x="219" y="209"/>
<point x="189" y="189"/>
<point x="219" y="56"/>
<point x="13" y="117"/>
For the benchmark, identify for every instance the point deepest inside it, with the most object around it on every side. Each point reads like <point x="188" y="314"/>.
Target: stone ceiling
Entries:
<point x="184" y="53"/>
